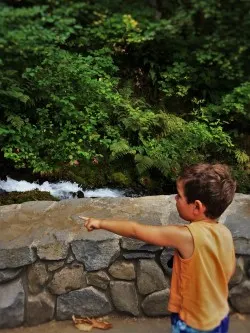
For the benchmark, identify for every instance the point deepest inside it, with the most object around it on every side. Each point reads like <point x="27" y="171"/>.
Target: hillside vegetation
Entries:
<point x="125" y="92"/>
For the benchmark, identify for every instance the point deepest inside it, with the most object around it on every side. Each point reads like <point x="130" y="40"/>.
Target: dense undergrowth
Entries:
<point x="113" y="92"/>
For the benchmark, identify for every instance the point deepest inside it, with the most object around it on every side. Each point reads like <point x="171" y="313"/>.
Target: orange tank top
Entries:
<point x="199" y="284"/>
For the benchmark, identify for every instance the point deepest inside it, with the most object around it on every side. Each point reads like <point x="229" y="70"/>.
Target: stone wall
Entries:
<point x="52" y="268"/>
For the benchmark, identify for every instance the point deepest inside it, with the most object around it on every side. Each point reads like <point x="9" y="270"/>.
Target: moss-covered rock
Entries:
<point x="9" y="198"/>
<point x="121" y="179"/>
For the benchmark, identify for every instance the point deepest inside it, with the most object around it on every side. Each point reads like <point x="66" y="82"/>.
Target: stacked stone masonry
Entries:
<point x="52" y="268"/>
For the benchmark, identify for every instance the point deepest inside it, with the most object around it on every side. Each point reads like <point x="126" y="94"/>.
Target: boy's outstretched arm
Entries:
<point x="171" y="235"/>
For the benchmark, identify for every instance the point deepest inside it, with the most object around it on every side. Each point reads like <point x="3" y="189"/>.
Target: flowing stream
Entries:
<point x="60" y="190"/>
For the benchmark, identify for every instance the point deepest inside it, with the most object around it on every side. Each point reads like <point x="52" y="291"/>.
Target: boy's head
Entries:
<point x="210" y="184"/>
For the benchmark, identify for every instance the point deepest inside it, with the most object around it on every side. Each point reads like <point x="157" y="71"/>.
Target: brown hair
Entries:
<point x="212" y="184"/>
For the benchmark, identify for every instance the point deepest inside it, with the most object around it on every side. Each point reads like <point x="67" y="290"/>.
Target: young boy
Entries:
<point x="204" y="259"/>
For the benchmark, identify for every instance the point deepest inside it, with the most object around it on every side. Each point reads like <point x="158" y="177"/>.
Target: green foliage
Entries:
<point x="177" y="79"/>
<point x="243" y="178"/>
<point x="151" y="88"/>
<point x="234" y="106"/>
<point x="121" y="179"/>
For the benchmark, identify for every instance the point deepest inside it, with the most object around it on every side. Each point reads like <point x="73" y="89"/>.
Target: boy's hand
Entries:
<point x="91" y="223"/>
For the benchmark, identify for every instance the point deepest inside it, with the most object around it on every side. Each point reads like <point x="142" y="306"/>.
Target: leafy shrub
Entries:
<point x="114" y="84"/>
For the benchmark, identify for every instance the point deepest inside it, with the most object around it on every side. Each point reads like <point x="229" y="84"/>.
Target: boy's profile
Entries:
<point x="204" y="259"/>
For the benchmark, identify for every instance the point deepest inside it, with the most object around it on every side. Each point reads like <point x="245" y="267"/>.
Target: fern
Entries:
<point x="4" y="131"/>
<point x="167" y="167"/>
<point x="120" y="149"/>
<point x="143" y="163"/>
<point x="241" y="157"/>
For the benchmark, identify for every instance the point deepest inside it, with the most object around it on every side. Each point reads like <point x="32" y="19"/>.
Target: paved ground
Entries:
<point x="126" y="325"/>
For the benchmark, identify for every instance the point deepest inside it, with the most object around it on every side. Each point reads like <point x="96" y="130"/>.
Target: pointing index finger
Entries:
<point x="84" y="218"/>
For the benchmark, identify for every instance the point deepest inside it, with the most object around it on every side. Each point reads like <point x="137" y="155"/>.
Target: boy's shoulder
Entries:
<point x="225" y="231"/>
<point x="211" y="232"/>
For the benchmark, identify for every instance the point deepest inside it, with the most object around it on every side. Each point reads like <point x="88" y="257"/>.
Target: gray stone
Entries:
<point x="37" y="277"/>
<point x="173" y="216"/>
<point x="150" y="277"/>
<point x="122" y="270"/>
<point x="242" y="246"/>
<point x="138" y="255"/>
<point x="16" y="257"/>
<point x="70" y="259"/>
<point x="76" y="264"/>
<point x="238" y="274"/>
<point x="87" y="302"/>
<point x="138" y="245"/>
<point x="124" y="297"/>
<point x="98" y="279"/>
<point x="96" y="254"/>
<point x="40" y="308"/>
<point x="11" y="304"/>
<point x="247" y="267"/>
<point x="240" y="206"/>
<point x="156" y="303"/>
<point x="238" y="223"/>
<point x="54" y="265"/>
<point x="67" y="279"/>
<point x="53" y="251"/>
<point x="166" y="259"/>
<point x="9" y="274"/>
<point x="240" y="297"/>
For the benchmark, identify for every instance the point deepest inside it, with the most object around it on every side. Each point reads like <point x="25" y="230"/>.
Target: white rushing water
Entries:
<point x="61" y="190"/>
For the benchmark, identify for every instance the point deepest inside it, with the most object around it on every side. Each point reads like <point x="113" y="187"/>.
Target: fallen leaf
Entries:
<point x="84" y="327"/>
<point x="82" y="324"/>
<point x="103" y="325"/>
<point x="86" y="324"/>
<point x="240" y="316"/>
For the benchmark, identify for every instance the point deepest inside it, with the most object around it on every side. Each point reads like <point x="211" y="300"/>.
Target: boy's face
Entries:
<point x="185" y="210"/>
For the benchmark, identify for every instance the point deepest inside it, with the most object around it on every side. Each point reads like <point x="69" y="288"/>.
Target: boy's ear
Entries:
<point x="199" y="208"/>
